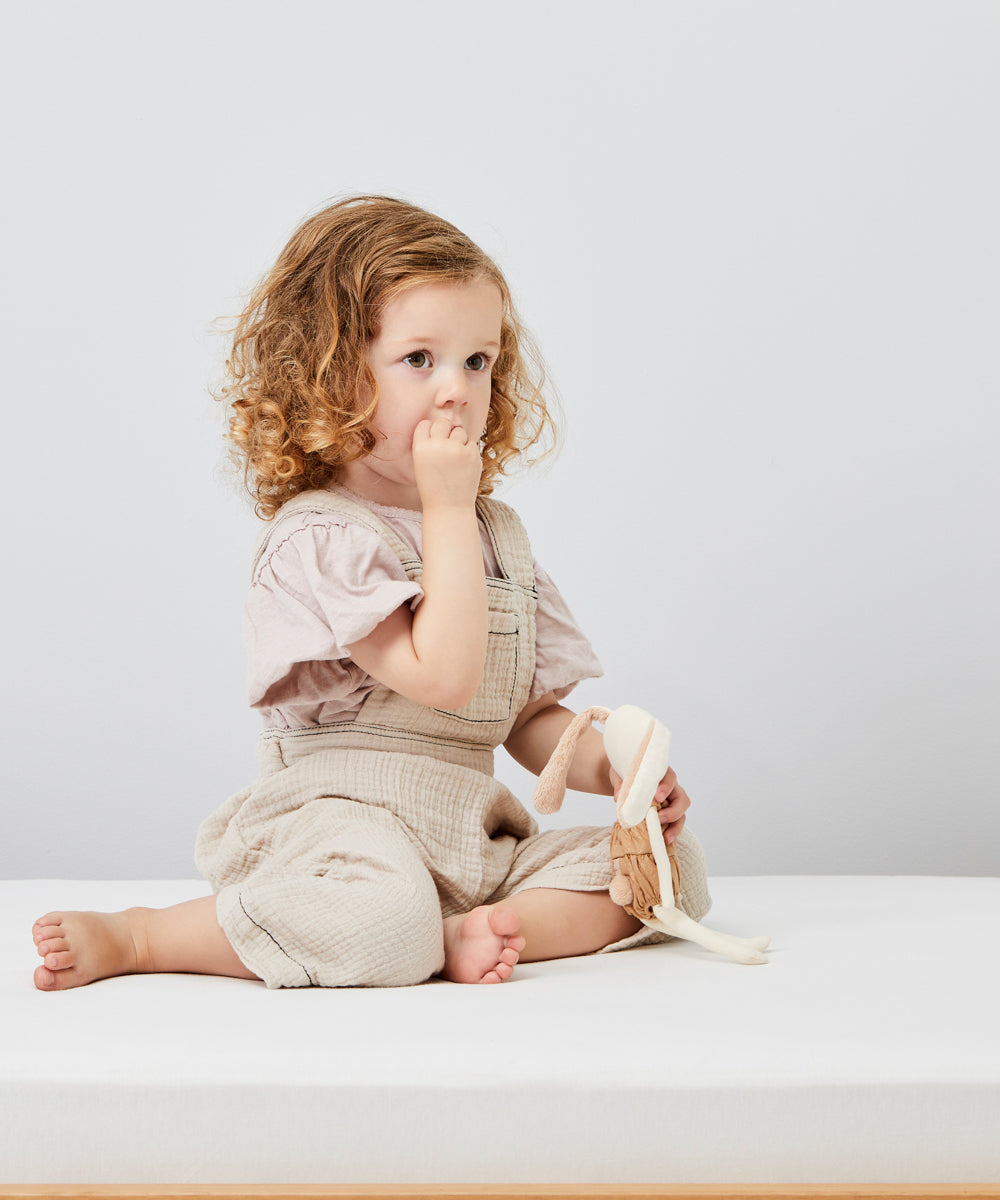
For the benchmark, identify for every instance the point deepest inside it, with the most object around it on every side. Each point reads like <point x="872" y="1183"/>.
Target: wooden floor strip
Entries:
<point x="784" y="1191"/>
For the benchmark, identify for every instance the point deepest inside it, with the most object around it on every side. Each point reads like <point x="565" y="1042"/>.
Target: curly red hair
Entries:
<point x="298" y="366"/>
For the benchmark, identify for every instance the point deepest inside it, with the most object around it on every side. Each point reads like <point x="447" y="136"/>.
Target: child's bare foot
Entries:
<point x="79" y="947"/>
<point x="481" y="946"/>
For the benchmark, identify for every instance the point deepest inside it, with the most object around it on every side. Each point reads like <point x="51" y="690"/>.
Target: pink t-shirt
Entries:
<point x="326" y="582"/>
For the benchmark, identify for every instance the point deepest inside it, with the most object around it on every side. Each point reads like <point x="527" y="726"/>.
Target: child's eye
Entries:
<point x="477" y="362"/>
<point x="419" y="358"/>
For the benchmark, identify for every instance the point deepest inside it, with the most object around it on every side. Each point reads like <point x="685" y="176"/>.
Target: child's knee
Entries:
<point x="405" y="942"/>
<point x="693" y="897"/>
<point x="321" y="931"/>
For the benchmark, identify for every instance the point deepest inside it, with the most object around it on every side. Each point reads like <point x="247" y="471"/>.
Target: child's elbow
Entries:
<point x="448" y="686"/>
<point x="451" y="692"/>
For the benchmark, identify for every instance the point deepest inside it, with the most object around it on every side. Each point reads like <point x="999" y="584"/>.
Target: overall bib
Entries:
<point x="338" y="865"/>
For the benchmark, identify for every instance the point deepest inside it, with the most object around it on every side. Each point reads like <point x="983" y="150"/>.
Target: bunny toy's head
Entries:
<point x="638" y="747"/>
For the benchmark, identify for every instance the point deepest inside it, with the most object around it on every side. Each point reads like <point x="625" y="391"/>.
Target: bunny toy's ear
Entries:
<point x="552" y="782"/>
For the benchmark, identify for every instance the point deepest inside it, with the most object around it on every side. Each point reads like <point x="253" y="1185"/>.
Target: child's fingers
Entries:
<point x="447" y="467"/>
<point x="439" y="430"/>
<point x="458" y="434"/>
<point x="679" y="803"/>
<point x="426" y="430"/>
<point x="672" y="832"/>
<point x="666" y="786"/>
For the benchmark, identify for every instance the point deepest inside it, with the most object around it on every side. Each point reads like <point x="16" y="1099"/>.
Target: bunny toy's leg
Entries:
<point x="671" y="920"/>
<point x="759" y="943"/>
<point x="678" y="924"/>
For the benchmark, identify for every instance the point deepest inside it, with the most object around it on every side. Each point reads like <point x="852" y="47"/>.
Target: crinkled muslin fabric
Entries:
<point x="325" y="581"/>
<point x="337" y="866"/>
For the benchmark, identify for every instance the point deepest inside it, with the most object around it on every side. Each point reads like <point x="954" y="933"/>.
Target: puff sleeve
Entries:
<point x="563" y="655"/>
<point x="319" y="589"/>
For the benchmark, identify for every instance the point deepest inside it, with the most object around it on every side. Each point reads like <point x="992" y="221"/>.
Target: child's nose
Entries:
<point x="453" y="391"/>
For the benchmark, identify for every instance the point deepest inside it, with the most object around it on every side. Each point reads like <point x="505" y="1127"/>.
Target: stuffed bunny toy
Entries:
<point x="646" y="879"/>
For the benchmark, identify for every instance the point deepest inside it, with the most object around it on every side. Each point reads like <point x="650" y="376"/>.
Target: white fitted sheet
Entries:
<point x="867" y="1050"/>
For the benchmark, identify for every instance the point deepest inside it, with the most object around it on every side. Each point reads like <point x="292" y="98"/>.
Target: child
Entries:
<point x="398" y="631"/>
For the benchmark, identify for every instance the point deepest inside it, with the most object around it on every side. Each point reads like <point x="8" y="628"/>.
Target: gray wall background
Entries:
<point x="758" y="245"/>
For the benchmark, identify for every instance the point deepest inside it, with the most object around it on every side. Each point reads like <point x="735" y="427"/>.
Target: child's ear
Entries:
<point x="551" y="785"/>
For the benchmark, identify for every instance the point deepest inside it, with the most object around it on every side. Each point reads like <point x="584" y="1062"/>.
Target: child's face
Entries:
<point x="433" y="358"/>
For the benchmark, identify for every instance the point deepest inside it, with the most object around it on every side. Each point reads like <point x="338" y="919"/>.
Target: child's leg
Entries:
<point x="531" y="926"/>
<point x="481" y="946"/>
<point x="561" y="924"/>
<point x="80" y="947"/>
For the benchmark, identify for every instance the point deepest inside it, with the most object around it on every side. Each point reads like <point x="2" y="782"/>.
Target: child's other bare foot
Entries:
<point x="79" y="947"/>
<point x="482" y="946"/>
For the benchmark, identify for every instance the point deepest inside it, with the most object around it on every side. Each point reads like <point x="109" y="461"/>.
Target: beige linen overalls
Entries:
<point x="337" y="866"/>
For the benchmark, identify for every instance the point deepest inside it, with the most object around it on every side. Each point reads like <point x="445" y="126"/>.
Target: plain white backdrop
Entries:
<point x="758" y="245"/>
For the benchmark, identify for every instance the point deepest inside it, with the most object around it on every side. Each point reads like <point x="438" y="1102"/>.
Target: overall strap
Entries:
<point x="340" y="504"/>
<point x="510" y="542"/>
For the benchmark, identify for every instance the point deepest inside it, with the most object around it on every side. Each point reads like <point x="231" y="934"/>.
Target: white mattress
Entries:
<point x="867" y="1050"/>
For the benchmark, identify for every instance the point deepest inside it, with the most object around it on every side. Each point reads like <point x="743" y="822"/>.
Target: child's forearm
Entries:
<point x="532" y="743"/>
<point x="450" y="624"/>
<point x="436" y="655"/>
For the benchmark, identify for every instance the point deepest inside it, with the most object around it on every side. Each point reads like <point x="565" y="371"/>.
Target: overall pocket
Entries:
<point x="495" y="699"/>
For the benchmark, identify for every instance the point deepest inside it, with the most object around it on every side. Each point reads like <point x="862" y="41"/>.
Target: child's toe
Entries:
<point x="45" y="980"/>
<point x="59" y="961"/>
<point x="504" y="921"/>
<point x="52" y="945"/>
